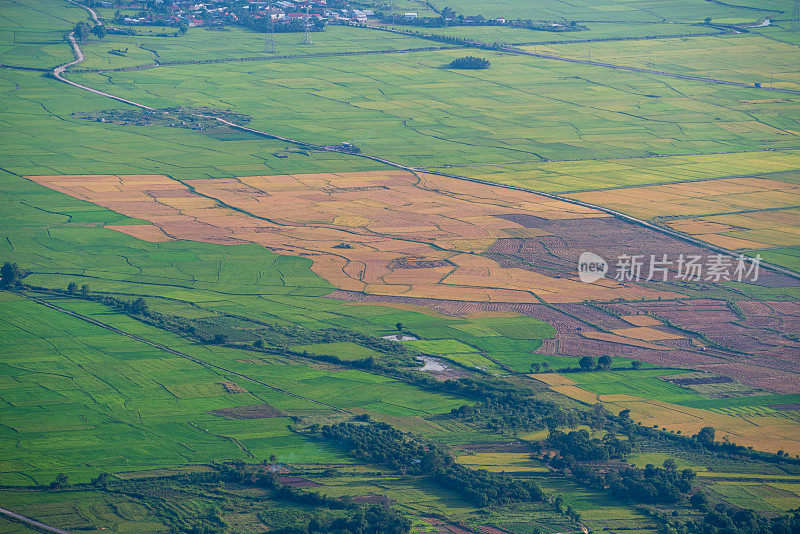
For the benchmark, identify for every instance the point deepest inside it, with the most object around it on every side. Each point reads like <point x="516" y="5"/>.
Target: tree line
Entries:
<point x="381" y="444"/>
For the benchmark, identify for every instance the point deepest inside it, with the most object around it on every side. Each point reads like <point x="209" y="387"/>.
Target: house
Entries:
<point x="411" y="16"/>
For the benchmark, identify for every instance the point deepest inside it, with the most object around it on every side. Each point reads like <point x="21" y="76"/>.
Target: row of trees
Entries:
<point x="372" y="520"/>
<point x="381" y="444"/>
<point x="585" y="364"/>
<point x="728" y="520"/>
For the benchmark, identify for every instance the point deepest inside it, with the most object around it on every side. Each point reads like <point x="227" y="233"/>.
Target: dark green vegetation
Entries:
<point x="208" y="500"/>
<point x="191" y="387"/>
<point x="469" y="62"/>
<point x="383" y="445"/>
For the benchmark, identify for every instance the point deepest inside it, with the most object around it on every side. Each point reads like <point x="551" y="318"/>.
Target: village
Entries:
<point x="286" y="16"/>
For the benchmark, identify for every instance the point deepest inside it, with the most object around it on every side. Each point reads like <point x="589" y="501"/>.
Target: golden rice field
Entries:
<point x="497" y="462"/>
<point x="384" y="233"/>
<point x="591" y="175"/>
<point x="763" y="432"/>
<point x="746" y="213"/>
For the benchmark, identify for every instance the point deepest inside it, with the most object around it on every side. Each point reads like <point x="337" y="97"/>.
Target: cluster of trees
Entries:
<point x="321" y="514"/>
<point x="381" y="444"/>
<point x="514" y="411"/>
<point x="137" y="306"/>
<point x="82" y="30"/>
<point x="11" y="276"/>
<point x="727" y="520"/>
<point x="447" y="17"/>
<point x="263" y="24"/>
<point x="580" y="445"/>
<point x="449" y="39"/>
<point x="542" y="26"/>
<point x="652" y="485"/>
<point x="469" y="62"/>
<point x="72" y="289"/>
<point x="587" y="363"/>
<point x="373" y="520"/>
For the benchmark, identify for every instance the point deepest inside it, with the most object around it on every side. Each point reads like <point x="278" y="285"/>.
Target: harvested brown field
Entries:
<point x="145" y="232"/>
<point x="645" y="333"/>
<point x="252" y="411"/>
<point x="641" y="320"/>
<point x="775" y="365"/>
<point x="389" y="232"/>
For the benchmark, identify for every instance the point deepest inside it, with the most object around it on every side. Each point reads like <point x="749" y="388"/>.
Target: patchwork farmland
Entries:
<point x="290" y="270"/>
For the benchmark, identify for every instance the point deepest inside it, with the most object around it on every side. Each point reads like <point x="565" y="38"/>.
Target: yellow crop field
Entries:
<point x="761" y="432"/>
<point x="618" y="176"/>
<point x="501" y="461"/>
<point x="710" y="210"/>
<point x="385" y="233"/>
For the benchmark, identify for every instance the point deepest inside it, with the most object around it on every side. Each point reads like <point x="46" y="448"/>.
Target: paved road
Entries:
<point x="30" y="522"/>
<point x="79" y="57"/>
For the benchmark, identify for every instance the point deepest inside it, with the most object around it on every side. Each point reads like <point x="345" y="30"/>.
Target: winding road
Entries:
<point x="27" y="521"/>
<point x="58" y="74"/>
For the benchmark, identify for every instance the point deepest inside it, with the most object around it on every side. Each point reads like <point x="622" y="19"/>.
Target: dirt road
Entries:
<point x="30" y="522"/>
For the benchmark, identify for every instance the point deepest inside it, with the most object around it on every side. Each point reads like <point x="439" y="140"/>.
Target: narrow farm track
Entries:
<point x="148" y="66"/>
<point x="519" y="51"/>
<point x="27" y="521"/>
<point x="58" y="74"/>
<point x="159" y="346"/>
<point x="647" y="71"/>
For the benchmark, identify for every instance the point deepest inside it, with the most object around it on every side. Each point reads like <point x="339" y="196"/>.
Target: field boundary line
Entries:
<point x="614" y="39"/>
<point x="8" y="514"/>
<point x="58" y="74"/>
<point x="511" y="49"/>
<point x="173" y="351"/>
<point x="147" y="66"/>
<point x="648" y="71"/>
